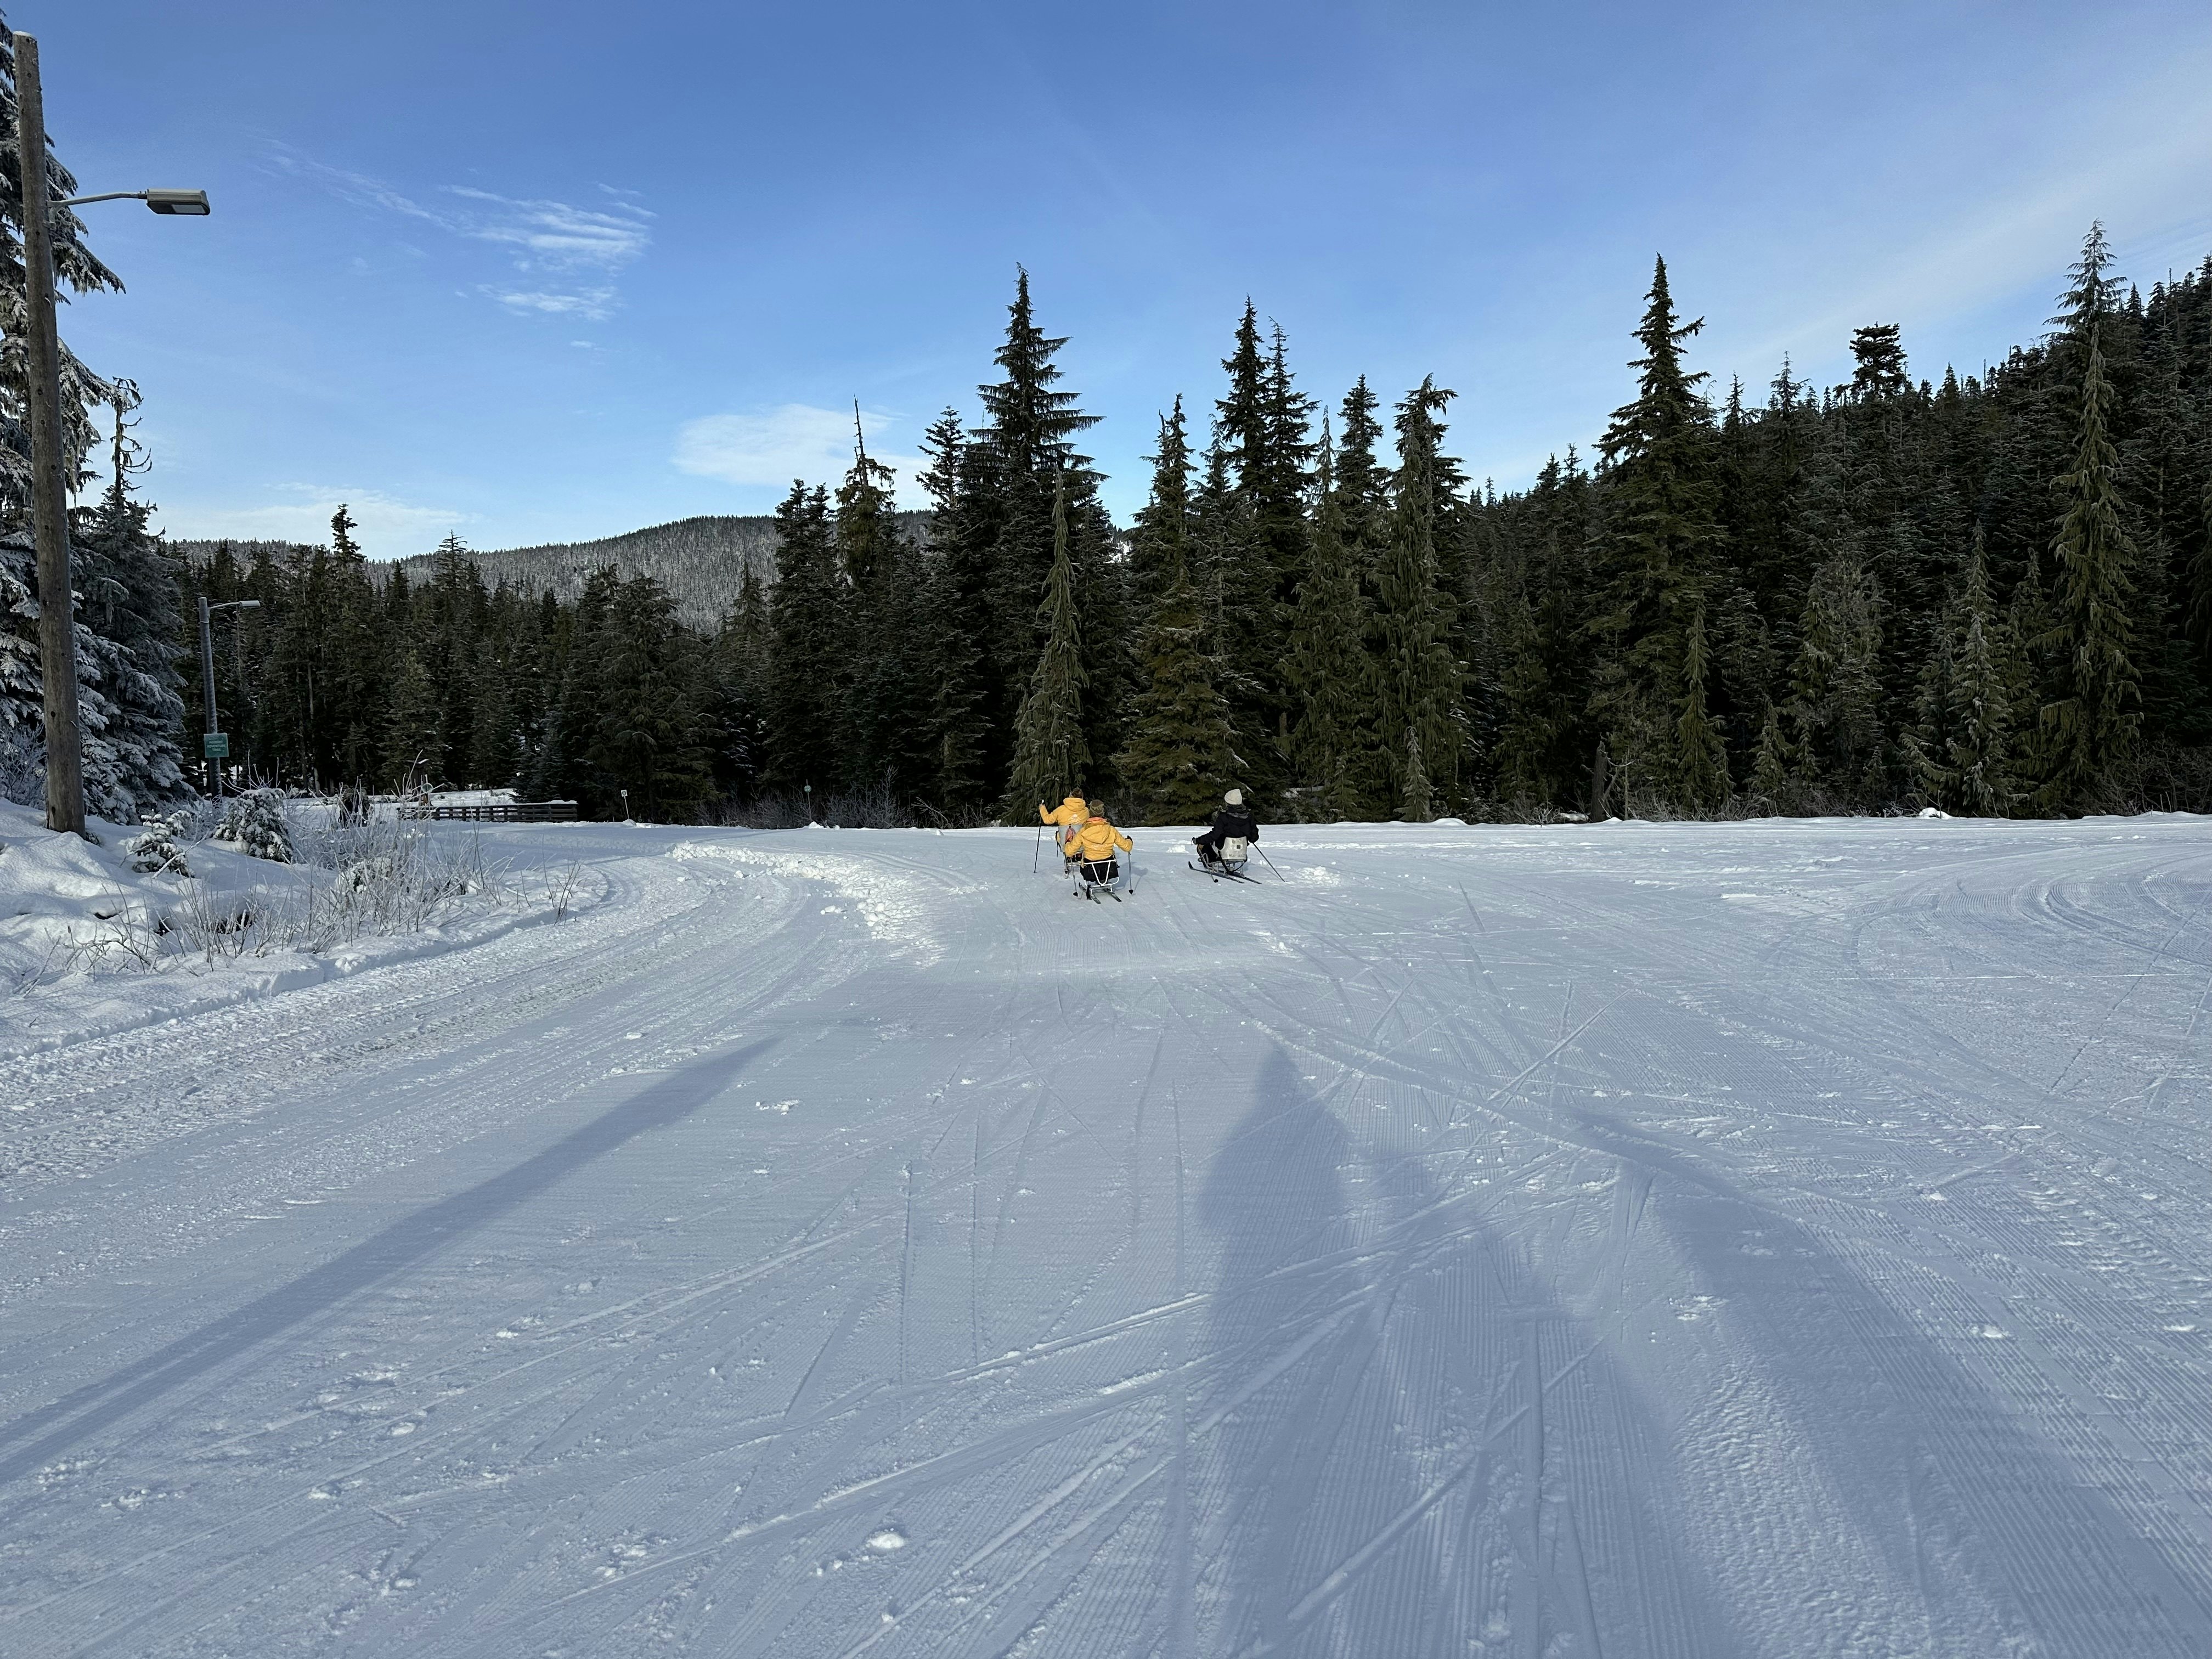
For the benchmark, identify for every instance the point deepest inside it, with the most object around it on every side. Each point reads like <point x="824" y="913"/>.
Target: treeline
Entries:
<point x="1991" y="594"/>
<point x="332" y="680"/>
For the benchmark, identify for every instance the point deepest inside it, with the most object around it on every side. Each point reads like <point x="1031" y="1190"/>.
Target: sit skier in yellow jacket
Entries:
<point x="1091" y="848"/>
<point x="1065" y="819"/>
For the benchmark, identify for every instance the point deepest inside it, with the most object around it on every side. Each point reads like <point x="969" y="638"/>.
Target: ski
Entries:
<point x="1226" y="875"/>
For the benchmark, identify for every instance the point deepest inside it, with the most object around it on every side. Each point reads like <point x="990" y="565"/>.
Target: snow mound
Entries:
<point x="63" y="900"/>
<point x="890" y="900"/>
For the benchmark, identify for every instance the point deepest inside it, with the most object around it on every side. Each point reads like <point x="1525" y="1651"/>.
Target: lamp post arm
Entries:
<point x="107" y="196"/>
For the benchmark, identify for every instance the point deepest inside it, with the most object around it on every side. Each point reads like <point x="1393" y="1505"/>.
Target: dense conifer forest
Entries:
<point x="1991" y="595"/>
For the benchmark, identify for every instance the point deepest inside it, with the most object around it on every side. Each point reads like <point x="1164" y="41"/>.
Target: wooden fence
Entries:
<point x="512" y="811"/>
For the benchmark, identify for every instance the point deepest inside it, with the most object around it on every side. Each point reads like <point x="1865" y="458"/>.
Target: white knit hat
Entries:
<point x="1235" y="798"/>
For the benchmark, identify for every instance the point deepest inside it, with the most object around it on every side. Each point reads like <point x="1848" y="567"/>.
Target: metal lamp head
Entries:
<point x="192" y="203"/>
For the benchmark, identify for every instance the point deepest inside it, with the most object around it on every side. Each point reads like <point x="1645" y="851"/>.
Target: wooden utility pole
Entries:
<point x="49" y="501"/>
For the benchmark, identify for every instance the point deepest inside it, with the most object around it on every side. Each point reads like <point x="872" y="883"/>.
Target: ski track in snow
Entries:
<point x="1783" y="1238"/>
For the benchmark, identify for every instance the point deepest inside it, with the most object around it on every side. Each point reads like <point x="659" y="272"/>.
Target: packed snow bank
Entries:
<point x="91" y="943"/>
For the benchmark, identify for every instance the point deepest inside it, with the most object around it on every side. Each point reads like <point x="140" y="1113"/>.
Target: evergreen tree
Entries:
<point x="2024" y="670"/>
<point x="1051" y="756"/>
<point x="492" y="759"/>
<point x="451" y="611"/>
<point x="1160" y="539"/>
<point x="1027" y="444"/>
<point x="1228" y="568"/>
<point x="412" y="734"/>
<point x="1523" y="733"/>
<point x="880" y="665"/>
<point x="2091" y="297"/>
<point x="1361" y="483"/>
<point x="1240" y="418"/>
<point x="127" y="597"/>
<point x="1700" y="753"/>
<point x="2200" y="602"/>
<point x="1769" y="769"/>
<point x="1662" y="559"/>
<point x="22" y="731"/>
<point x="355" y="680"/>
<point x="1979" y="778"/>
<point x="1181" y="751"/>
<point x="1878" y="362"/>
<point x="1286" y="478"/>
<point x="745" y="635"/>
<point x="1253" y="544"/>
<point x="2090" y="727"/>
<point x="1331" y="674"/>
<point x="647" y="739"/>
<point x="957" y="617"/>
<point x="583" y="648"/>
<point x="1415" y="804"/>
<point x="2157" y="483"/>
<point x="1419" y="677"/>
<point x="805" y="632"/>
<point x="1537" y="587"/>
<point x="730" y="729"/>
<point x="77" y="269"/>
<point x="1836" y="699"/>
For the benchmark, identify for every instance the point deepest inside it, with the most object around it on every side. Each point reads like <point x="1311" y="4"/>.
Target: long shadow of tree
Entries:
<point x="1408" y="1448"/>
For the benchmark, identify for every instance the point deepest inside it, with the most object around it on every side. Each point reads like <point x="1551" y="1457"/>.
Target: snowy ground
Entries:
<point x="1779" y="1239"/>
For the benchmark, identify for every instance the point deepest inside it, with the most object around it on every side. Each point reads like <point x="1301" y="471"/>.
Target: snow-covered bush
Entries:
<point x="367" y="872"/>
<point x="255" y="823"/>
<point x="154" y="850"/>
<point x="393" y="878"/>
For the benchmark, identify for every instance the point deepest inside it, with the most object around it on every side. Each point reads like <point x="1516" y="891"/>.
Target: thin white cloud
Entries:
<point x="595" y="304"/>
<point x="796" y="441"/>
<point x="388" y="528"/>
<point x="356" y="187"/>
<point x="546" y="239"/>
<point x="556" y="236"/>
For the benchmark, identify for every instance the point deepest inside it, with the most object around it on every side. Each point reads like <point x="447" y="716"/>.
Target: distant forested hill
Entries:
<point x="697" y="561"/>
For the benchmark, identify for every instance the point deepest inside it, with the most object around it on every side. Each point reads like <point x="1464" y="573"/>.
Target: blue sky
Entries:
<point x="535" y="271"/>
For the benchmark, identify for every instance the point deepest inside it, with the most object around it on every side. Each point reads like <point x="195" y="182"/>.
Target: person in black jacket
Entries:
<point x="1230" y="820"/>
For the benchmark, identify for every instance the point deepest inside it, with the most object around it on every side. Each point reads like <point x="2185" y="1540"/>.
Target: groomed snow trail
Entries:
<point x="1785" y="1238"/>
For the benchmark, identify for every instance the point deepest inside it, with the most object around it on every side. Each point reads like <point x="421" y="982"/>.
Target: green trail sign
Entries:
<point x="215" y="745"/>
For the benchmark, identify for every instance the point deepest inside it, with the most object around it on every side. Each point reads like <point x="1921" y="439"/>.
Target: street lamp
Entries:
<point x="192" y="203"/>
<point x="216" y="746"/>
<point x="49" y="489"/>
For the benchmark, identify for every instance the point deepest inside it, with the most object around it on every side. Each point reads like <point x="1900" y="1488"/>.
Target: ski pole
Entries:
<point x="1269" y="862"/>
<point x="1039" y="852"/>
